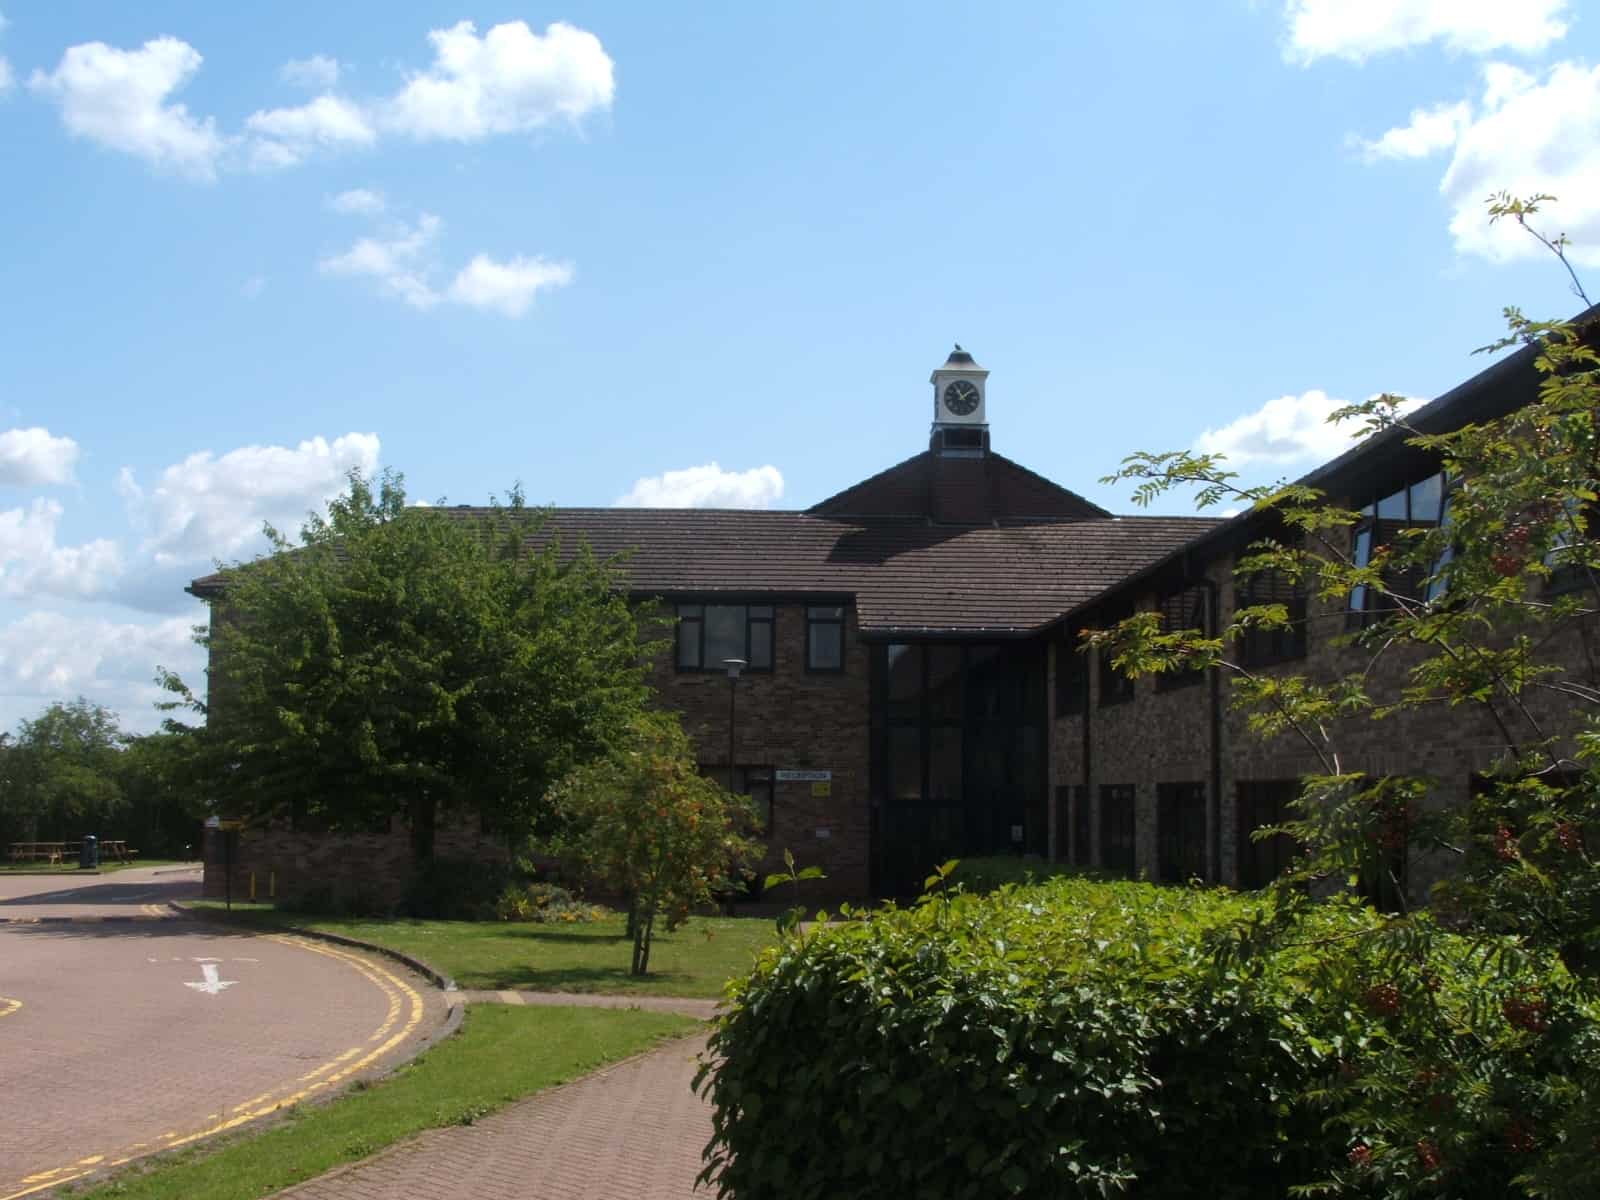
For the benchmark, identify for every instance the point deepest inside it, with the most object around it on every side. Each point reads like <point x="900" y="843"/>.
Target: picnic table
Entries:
<point x="113" y="849"/>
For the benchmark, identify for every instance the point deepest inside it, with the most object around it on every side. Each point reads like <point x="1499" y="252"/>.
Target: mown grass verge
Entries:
<point x="501" y="1054"/>
<point x="694" y="961"/>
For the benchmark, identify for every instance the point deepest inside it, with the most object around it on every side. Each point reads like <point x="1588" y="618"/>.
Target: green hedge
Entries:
<point x="1073" y="1038"/>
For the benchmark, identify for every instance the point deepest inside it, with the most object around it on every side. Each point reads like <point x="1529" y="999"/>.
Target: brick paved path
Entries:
<point x="633" y="1131"/>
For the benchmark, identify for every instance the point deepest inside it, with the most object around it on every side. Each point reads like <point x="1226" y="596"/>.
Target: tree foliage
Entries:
<point x="404" y="660"/>
<point x="63" y="772"/>
<point x="648" y="826"/>
<point x="1492" y="611"/>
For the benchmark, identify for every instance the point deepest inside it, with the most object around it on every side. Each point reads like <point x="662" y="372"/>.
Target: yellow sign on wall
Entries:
<point x="820" y="790"/>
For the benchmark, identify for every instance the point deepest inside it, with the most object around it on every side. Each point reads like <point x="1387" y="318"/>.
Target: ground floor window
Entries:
<point x="1118" y="821"/>
<point x="1082" y="833"/>
<point x="1262" y="803"/>
<point x="755" y="782"/>
<point x="1180" y="832"/>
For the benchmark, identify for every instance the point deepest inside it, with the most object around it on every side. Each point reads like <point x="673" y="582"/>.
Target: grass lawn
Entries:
<point x="502" y="1054"/>
<point x="694" y="961"/>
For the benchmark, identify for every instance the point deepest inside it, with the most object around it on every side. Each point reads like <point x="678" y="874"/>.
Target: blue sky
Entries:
<point x="708" y="254"/>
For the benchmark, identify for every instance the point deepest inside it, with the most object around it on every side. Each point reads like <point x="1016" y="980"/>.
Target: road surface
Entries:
<point x="126" y="1029"/>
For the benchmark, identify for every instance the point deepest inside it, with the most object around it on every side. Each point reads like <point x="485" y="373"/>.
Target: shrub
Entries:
<point x="1079" y="1038"/>
<point x="459" y="889"/>
<point x="543" y="903"/>
<point x="989" y="874"/>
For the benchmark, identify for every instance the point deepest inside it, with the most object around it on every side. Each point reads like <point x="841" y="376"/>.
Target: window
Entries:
<point x="1082" y="838"/>
<point x="1180" y="832"/>
<point x="1568" y="556"/>
<point x="1182" y="610"/>
<point x="1115" y="687"/>
<point x="710" y="634"/>
<point x="1117" y="824"/>
<point x="1418" y="506"/>
<point x="755" y="782"/>
<point x="1262" y="647"/>
<point x="1262" y="803"/>
<point x="824" y="638"/>
<point x="1072" y="678"/>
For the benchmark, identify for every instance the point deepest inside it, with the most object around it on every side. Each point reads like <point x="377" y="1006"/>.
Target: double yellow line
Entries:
<point x="8" y="1006"/>
<point x="394" y="1030"/>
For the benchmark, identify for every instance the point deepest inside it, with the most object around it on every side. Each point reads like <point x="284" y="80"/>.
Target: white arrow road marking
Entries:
<point x="211" y="985"/>
<point x="205" y="960"/>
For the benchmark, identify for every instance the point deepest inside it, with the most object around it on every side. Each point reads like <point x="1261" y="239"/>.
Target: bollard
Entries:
<point x="272" y="886"/>
<point x="252" y="887"/>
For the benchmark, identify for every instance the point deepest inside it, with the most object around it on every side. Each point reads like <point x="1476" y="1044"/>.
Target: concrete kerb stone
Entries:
<point x="429" y="972"/>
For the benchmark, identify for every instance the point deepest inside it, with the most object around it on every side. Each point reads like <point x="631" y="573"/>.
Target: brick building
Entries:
<point x="911" y="694"/>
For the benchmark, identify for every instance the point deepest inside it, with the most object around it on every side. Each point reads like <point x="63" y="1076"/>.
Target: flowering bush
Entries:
<point x="543" y="903"/>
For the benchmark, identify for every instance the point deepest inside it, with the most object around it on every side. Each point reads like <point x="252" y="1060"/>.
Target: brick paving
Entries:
<point x="633" y="1131"/>
<point x="110" y="1047"/>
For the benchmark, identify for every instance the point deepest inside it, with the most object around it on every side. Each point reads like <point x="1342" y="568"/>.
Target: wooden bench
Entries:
<point x="111" y="850"/>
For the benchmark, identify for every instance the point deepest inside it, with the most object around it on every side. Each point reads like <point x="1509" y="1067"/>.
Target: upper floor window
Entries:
<point x="1115" y="687"/>
<point x="1418" y="506"/>
<point x="710" y="634"/>
<point x="1072" y="678"/>
<point x="824" y="637"/>
<point x="1567" y="555"/>
<point x="1261" y="647"/>
<point x="1183" y="610"/>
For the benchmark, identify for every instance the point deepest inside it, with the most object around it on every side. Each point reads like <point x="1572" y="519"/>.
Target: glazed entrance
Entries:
<point x="958" y="756"/>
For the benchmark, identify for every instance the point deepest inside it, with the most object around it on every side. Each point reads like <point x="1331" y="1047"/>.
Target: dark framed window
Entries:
<point x="824" y="638"/>
<point x="1118" y="823"/>
<point x="1569" y="554"/>
<point x="1180" y="832"/>
<point x="755" y="782"/>
<point x="1115" y="687"/>
<point x="709" y="634"/>
<point x="1072" y="678"/>
<point x="1063" y="844"/>
<point x="1260" y="647"/>
<point x="1082" y="835"/>
<point x="1184" y="609"/>
<point x="1419" y="505"/>
<point x="1260" y="804"/>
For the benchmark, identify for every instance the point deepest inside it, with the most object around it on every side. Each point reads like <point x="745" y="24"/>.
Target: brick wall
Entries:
<point x="789" y="719"/>
<point x="1163" y="737"/>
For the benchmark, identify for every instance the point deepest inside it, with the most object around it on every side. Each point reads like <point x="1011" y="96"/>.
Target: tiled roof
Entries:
<point x="907" y="576"/>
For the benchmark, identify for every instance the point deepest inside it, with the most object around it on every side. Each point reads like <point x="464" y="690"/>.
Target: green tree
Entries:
<point x="407" y="660"/>
<point x="647" y="825"/>
<point x="1491" y="610"/>
<point x="63" y="771"/>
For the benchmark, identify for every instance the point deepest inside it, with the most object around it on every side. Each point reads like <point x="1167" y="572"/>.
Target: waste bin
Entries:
<point x="89" y="853"/>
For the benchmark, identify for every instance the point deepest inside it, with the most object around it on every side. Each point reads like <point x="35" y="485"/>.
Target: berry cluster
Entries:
<point x="1528" y="1011"/>
<point x="1505" y="845"/>
<point x="1383" y="999"/>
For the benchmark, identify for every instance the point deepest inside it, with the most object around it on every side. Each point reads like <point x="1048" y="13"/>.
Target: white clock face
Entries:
<point x="961" y="397"/>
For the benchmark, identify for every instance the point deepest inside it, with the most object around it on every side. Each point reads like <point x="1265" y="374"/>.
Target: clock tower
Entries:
<point x="960" y="422"/>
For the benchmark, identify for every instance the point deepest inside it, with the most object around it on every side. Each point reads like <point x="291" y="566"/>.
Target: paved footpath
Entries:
<point x="633" y="1131"/>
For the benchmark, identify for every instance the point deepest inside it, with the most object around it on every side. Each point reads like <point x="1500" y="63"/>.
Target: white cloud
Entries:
<point x="1529" y="135"/>
<point x="1286" y="430"/>
<point x="7" y="78"/>
<point x="508" y="81"/>
<point x="316" y="74"/>
<point x="285" y="137"/>
<point x="398" y="263"/>
<point x="394" y="261"/>
<point x="1430" y="130"/>
<point x="120" y="99"/>
<point x="1358" y="29"/>
<point x="707" y="487"/>
<point x="210" y="506"/>
<point x="358" y="202"/>
<point x="32" y="564"/>
<point x="507" y="287"/>
<point x="34" y="456"/>
<point x="47" y="655"/>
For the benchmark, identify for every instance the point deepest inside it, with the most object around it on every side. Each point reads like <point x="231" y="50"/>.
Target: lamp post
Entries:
<point x="734" y="665"/>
